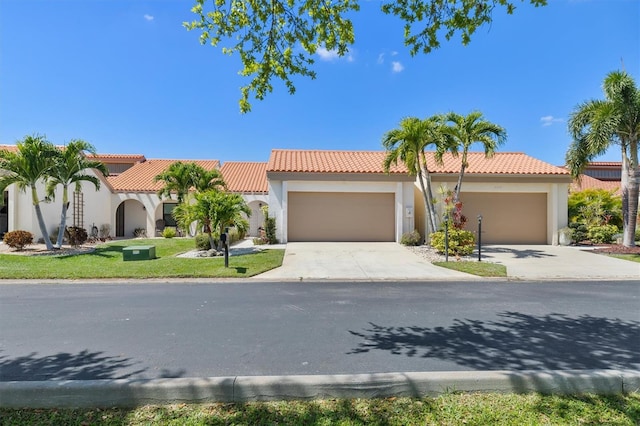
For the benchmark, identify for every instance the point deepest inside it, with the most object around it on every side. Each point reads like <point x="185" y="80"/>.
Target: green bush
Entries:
<point x="579" y="232"/>
<point x="602" y="234"/>
<point x="412" y="238"/>
<point x="270" y="230"/>
<point x="461" y="242"/>
<point x="169" y="232"/>
<point x="18" y="239"/>
<point x="76" y="235"/>
<point x="202" y="242"/>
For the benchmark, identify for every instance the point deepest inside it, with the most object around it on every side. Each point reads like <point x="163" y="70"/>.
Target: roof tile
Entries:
<point x="139" y="178"/>
<point x="315" y="161"/>
<point x="587" y="182"/>
<point x="245" y="176"/>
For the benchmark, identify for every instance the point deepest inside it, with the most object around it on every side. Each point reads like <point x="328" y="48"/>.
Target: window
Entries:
<point x="167" y="209"/>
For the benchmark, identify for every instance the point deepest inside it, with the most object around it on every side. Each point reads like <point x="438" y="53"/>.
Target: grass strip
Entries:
<point x="482" y="269"/>
<point x="106" y="262"/>
<point x="449" y="409"/>
<point x="631" y="257"/>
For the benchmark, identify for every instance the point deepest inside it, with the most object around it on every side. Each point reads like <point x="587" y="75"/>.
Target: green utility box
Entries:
<point x="139" y="253"/>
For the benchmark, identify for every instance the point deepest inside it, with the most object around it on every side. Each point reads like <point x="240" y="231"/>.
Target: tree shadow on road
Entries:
<point x="525" y="253"/>
<point x="515" y="342"/>
<point x="84" y="365"/>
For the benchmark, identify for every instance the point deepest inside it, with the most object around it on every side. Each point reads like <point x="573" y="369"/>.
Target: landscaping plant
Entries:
<point x="18" y="239"/>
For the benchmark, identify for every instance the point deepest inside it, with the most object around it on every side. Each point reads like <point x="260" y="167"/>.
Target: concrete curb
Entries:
<point x="131" y="393"/>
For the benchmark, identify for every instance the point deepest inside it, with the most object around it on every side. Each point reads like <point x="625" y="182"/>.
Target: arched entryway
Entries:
<point x="130" y="216"/>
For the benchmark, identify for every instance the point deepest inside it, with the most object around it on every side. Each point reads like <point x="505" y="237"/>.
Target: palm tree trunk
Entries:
<point x="41" y="224"/>
<point x="63" y="215"/>
<point x="459" y="184"/>
<point x="427" y="193"/>
<point x="630" y="193"/>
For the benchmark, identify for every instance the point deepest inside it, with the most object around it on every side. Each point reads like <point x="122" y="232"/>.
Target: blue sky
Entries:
<point x="127" y="77"/>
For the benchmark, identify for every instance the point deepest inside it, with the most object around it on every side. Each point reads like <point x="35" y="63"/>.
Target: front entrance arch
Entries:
<point x="130" y="215"/>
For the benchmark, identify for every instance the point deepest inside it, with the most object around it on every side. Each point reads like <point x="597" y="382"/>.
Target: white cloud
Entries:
<point x="148" y="17"/>
<point x="327" y="55"/>
<point x="549" y="120"/>
<point x="380" y="58"/>
<point x="394" y="53"/>
<point x="332" y="55"/>
<point x="396" y="66"/>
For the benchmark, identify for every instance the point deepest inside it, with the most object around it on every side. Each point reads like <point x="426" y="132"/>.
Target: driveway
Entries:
<point x="391" y="261"/>
<point x="357" y="261"/>
<point x="559" y="262"/>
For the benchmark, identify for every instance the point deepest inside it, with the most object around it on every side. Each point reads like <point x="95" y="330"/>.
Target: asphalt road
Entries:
<point x="103" y="331"/>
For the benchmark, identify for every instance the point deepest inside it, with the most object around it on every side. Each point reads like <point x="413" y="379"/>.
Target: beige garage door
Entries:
<point x="340" y="216"/>
<point x="507" y="218"/>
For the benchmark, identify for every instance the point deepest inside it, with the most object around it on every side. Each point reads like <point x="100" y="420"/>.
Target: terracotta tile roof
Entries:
<point x="315" y="161"/>
<point x="371" y="162"/>
<point x="11" y="148"/>
<point x="510" y="163"/>
<point x="587" y="182"/>
<point x="139" y="178"/>
<point x="119" y="158"/>
<point x="245" y="176"/>
<point x="605" y="164"/>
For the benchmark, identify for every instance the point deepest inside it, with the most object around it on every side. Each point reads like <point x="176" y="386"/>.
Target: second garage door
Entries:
<point x="507" y="218"/>
<point x="340" y="216"/>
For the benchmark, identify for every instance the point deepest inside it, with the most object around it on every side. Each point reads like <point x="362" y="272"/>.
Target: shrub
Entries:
<point x="18" y="239"/>
<point x="76" y="235"/>
<point x="412" y="238"/>
<point x="202" y="242"/>
<point x="105" y="231"/>
<point x="579" y="232"/>
<point x="169" y="232"/>
<point x="461" y="242"/>
<point x="269" y="227"/>
<point x="602" y="234"/>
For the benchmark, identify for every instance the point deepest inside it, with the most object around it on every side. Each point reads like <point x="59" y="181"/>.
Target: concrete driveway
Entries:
<point x="559" y="262"/>
<point x="391" y="261"/>
<point x="357" y="261"/>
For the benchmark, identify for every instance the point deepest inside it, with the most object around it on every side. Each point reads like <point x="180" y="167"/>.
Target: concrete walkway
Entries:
<point x="357" y="261"/>
<point x="559" y="262"/>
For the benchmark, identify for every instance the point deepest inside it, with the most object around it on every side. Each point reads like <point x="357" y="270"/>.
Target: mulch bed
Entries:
<point x="616" y="249"/>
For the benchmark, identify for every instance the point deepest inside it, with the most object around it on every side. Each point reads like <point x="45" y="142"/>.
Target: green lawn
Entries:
<point x="106" y="262"/>
<point x="483" y="269"/>
<point x="631" y="257"/>
<point x="450" y="409"/>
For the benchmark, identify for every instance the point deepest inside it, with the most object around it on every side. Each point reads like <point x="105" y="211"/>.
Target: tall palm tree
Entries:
<point x="178" y="178"/>
<point x="407" y="144"/>
<point x="204" y="180"/>
<point x="31" y="164"/>
<point x="70" y="166"/>
<point x="596" y="125"/>
<point x="463" y="131"/>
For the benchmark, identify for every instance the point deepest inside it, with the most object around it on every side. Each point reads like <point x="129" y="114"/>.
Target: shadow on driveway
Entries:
<point x="515" y="342"/>
<point x="517" y="253"/>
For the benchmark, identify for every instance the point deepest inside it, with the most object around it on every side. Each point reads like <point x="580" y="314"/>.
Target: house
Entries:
<point x="319" y="195"/>
<point x="346" y="196"/>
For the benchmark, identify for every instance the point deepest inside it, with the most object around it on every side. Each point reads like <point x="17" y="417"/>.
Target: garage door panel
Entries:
<point x="340" y="216"/>
<point x="507" y="218"/>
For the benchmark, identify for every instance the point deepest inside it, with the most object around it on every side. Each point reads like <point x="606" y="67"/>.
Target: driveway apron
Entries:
<point x="357" y="261"/>
<point x="559" y="262"/>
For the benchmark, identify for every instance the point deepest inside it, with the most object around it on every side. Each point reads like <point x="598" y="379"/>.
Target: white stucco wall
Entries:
<point x="22" y="213"/>
<point x="404" y="202"/>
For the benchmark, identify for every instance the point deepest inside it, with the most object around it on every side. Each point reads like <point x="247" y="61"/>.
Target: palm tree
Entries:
<point x="178" y="178"/>
<point x="70" y="166"/>
<point x="463" y="131"/>
<point x="32" y="163"/>
<point x="218" y="210"/>
<point x="204" y="180"/>
<point x="407" y="144"/>
<point x="596" y="125"/>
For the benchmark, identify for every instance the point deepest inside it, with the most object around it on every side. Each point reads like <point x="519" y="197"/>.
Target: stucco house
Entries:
<point x="346" y="196"/>
<point x="319" y="195"/>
